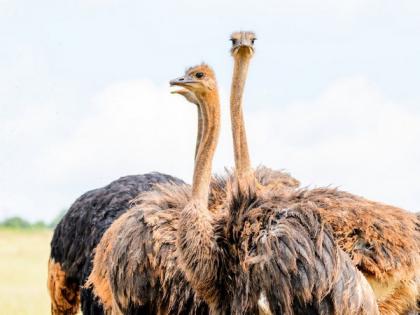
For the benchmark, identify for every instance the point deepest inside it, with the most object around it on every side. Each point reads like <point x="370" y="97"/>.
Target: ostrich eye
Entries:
<point x="233" y="40"/>
<point x="199" y="75"/>
<point x="253" y="41"/>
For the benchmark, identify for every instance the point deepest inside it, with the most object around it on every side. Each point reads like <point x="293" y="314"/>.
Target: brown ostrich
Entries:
<point x="99" y="279"/>
<point x="161" y="286"/>
<point x="382" y="240"/>
<point x="229" y="257"/>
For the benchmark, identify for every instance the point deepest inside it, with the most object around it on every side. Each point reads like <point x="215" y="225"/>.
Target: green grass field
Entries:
<point x="23" y="272"/>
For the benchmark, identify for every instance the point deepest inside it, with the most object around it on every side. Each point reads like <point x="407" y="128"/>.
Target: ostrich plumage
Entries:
<point x="381" y="239"/>
<point x="79" y="232"/>
<point x="383" y="242"/>
<point x="263" y="245"/>
<point x="180" y="247"/>
<point x="145" y="283"/>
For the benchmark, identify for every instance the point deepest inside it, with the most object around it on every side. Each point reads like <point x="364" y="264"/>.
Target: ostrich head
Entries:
<point x="199" y="80"/>
<point x="202" y="75"/>
<point x="242" y="43"/>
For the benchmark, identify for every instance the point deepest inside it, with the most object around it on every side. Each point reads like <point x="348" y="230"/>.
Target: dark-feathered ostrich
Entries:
<point x="174" y="249"/>
<point x="382" y="240"/>
<point x="78" y="233"/>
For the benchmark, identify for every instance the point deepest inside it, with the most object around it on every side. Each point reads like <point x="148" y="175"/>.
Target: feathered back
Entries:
<point x="382" y="240"/>
<point x="79" y="232"/>
<point x="145" y="275"/>
<point x="287" y="246"/>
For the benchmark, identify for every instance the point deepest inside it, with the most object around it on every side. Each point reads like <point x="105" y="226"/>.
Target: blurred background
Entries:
<point x="332" y="97"/>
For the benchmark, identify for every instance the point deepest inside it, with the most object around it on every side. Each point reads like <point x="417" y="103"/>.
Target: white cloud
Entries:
<point x="349" y="136"/>
<point x="133" y="125"/>
<point x="130" y="127"/>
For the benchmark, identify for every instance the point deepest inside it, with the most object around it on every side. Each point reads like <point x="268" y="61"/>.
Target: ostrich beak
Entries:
<point x="242" y="46"/>
<point x="183" y="82"/>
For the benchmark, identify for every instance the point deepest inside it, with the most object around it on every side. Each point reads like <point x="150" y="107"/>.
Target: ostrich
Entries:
<point x="387" y="253"/>
<point x="161" y="286"/>
<point x="99" y="276"/>
<point x="78" y="233"/>
<point x="173" y="251"/>
<point x="222" y="255"/>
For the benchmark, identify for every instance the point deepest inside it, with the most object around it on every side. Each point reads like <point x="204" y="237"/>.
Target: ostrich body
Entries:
<point x="78" y="233"/>
<point x="153" y="221"/>
<point x="211" y="260"/>
<point x="151" y="280"/>
<point x="381" y="240"/>
<point x="173" y="250"/>
<point x="226" y="256"/>
<point x="255" y="245"/>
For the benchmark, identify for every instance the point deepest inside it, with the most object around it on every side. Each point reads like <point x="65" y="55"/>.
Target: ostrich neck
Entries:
<point x="199" y="131"/>
<point x="196" y="239"/>
<point x="240" y="145"/>
<point x="210" y="127"/>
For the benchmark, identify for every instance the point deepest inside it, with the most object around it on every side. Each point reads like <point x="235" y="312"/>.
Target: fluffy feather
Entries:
<point x="78" y="233"/>
<point x="261" y="246"/>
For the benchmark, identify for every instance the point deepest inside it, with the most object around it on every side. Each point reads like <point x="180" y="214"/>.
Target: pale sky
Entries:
<point x="332" y="97"/>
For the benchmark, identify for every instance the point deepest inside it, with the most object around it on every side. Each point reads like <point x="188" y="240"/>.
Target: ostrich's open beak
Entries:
<point x="185" y="82"/>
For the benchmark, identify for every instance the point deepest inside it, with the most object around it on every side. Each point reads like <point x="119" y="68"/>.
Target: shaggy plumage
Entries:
<point x="173" y="250"/>
<point x="79" y="232"/>
<point x="265" y="245"/>
<point x="382" y="241"/>
<point x="283" y="251"/>
<point x="126" y="235"/>
<point x="375" y="245"/>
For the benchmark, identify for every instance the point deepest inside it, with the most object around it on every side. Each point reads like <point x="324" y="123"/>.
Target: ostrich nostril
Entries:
<point x="181" y="79"/>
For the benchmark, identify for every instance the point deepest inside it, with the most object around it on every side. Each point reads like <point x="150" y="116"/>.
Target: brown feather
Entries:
<point x="383" y="241"/>
<point x="64" y="295"/>
<point x="266" y="245"/>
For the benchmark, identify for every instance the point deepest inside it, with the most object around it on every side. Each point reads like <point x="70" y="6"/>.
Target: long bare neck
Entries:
<point x="199" y="130"/>
<point x="196" y="237"/>
<point x="240" y="145"/>
<point x="210" y="115"/>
